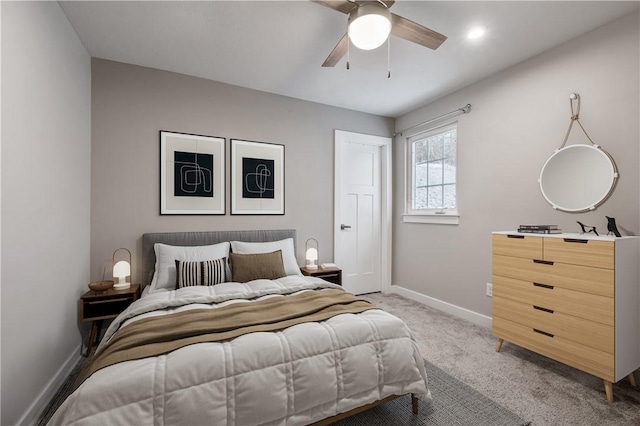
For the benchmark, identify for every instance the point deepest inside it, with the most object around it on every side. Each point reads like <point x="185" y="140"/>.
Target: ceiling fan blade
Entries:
<point x="337" y="53"/>
<point x="346" y="6"/>
<point x="409" y="30"/>
<point x="343" y="6"/>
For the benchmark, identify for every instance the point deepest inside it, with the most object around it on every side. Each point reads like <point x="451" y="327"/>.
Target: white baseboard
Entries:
<point x="50" y="389"/>
<point x="474" y="317"/>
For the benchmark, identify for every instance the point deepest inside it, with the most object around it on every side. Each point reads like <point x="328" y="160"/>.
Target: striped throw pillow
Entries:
<point x="209" y="272"/>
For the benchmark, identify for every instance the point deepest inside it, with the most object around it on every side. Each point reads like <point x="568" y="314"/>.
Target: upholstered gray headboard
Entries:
<point x="202" y="239"/>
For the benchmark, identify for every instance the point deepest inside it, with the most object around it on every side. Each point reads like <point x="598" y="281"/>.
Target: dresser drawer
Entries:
<point x="579" y="304"/>
<point x="580" y="278"/>
<point x="593" y="361"/>
<point x="579" y="330"/>
<point x="517" y="245"/>
<point x="576" y="251"/>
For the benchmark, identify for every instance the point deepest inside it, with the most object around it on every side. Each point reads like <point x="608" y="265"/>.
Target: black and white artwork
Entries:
<point x="192" y="174"/>
<point x="257" y="177"/>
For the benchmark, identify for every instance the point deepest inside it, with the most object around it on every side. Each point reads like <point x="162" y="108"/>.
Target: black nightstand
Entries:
<point x="99" y="306"/>
<point x="333" y="275"/>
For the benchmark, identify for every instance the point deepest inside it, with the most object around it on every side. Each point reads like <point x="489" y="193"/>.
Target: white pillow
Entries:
<point x="164" y="277"/>
<point x="288" y="253"/>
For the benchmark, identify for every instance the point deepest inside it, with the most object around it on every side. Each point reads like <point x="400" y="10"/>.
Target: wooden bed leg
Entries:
<point x="499" y="345"/>
<point x="414" y="404"/>
<point x="96" y="328"/>
<point x="608" y="388"/>
<point x="632" y="380"/>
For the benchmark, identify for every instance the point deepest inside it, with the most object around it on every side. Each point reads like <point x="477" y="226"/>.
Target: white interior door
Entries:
<point x="359" y="243"/>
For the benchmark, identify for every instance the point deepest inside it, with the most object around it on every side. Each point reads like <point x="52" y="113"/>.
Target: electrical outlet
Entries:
<point x="489" y="290"/>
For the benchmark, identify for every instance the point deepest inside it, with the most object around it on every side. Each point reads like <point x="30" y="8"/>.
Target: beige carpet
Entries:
<point x="532" y="386"/>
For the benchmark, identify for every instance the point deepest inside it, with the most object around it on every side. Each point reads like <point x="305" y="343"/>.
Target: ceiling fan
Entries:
<point x="376" y="17"/>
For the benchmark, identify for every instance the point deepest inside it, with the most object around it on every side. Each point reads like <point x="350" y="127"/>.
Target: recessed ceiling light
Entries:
<point x="475" y="33"/>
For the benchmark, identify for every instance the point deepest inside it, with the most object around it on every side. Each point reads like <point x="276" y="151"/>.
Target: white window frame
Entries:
<point x="435" y="216"/>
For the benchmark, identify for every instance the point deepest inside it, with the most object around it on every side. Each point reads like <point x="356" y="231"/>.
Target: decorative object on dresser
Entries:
<point x="539" y="229"/>
<point x="257" y="177"/>
<point x="333" y="274"/>
<point x="587" y="228"/>
<point x="121" y="270"/>
<point x="192" y="173"/>
<point x="98" y="306"/>
<point x="611" y="226"/>
<point x="570" y="297"/>
<point x="311" y="253"/>
<point x="578" y="178"/>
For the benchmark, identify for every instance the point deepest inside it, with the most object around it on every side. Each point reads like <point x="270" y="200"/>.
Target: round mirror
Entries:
<point x="578" y="178"/>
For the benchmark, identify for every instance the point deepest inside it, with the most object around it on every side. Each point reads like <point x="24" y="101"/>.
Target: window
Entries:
<point x="431" y="176"/>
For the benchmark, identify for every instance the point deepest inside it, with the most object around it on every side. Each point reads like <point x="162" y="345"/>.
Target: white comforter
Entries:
<point x="296" y="376"/>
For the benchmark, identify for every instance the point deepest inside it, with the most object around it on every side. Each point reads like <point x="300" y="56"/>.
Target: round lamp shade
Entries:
<point x="312" y="254"/>
<point x="121" y="269"/>
<point x="369" y="26"/>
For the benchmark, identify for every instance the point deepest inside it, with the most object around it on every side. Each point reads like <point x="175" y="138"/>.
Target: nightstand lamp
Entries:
<point x="311" y="254"/>
<point x="121" y="270"/>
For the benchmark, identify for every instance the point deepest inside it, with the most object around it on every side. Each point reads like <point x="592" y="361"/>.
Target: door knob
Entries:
<point x="343" y="226"/>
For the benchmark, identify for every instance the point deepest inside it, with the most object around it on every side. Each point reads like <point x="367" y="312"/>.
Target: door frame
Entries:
<point x="386" y="184"/>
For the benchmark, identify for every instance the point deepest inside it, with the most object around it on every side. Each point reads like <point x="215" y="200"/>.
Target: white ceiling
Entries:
<point x="278" y="46"/>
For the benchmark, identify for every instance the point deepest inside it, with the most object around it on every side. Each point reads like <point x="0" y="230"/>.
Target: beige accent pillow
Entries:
<point x="288" y="253"/>
<point x="249" y="267"/>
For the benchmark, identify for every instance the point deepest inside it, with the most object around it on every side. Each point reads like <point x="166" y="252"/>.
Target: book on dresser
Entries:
<point x="571" y="297"/>
<point x="539" y="227"/>
<point x="540" y="231"/>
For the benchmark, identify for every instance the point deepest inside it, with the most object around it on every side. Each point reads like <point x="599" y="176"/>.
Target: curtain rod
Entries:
<point x="464" y="110"/>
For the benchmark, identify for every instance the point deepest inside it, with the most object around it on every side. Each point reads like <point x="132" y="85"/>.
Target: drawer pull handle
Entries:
<point x="543" y="262"/>
<point x="515" y="236"/>
<point x="543" y="309"/>
<point x="550" y="287"/>
<point x="543" y="332"/>
<point x="575" y="240"/>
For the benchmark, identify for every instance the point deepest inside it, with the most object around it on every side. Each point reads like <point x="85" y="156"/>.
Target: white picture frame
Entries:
<point x="257" y="178"/>
<point x="192" y="174"/>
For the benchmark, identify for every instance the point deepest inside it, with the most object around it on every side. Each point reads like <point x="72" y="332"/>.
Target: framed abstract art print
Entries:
<point x="192" y="174"/>
<point x="257" y="178"/>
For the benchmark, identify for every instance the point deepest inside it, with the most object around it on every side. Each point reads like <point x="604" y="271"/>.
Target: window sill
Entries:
<point x="439" y="219"/>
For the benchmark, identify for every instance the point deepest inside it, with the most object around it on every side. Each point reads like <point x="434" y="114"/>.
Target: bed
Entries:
<point x="292" y="349"/>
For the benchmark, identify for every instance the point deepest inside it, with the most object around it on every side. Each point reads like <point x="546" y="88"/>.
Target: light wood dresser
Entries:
<point x="571" y="297"/>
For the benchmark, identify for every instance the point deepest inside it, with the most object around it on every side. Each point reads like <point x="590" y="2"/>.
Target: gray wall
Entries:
<point x="132" y="104"/>
<point x="46" y="143"/>
<point x="519" y="117"/>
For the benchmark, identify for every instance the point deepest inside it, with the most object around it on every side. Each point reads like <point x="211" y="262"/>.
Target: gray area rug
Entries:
<point x="454" y="404"/>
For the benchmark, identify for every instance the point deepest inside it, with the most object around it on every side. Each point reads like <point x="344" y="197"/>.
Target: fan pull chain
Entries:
<point x="389" y="57"/>
<point x="348" y="42"/>
<point x="348" y="49"/>
<point x="575" y="116"/>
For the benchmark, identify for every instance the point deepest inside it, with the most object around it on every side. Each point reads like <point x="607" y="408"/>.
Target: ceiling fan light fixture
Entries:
<point x="369" y="25"/>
